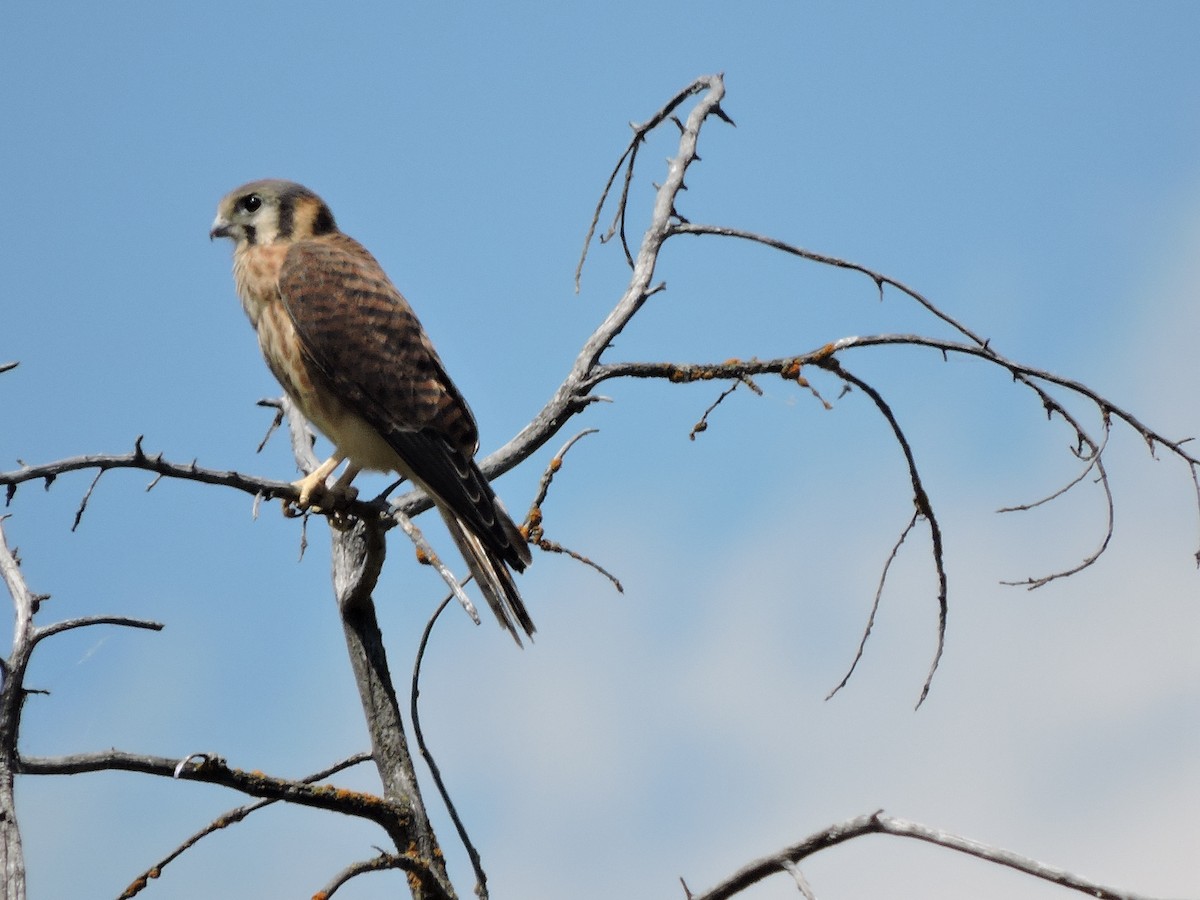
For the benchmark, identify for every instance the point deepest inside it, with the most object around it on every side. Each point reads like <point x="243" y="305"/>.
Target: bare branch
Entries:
<point x="862" y="644"/>
<point x="923" y="505"/>
<point x="414" y="712"/>
<point x="788" y="367"/>
<point x="878" y="823"/>
<point x="261" y="488"/>
<point x="212" y="769"/>
<point x="702" y="425"/>
<point x="276" y="405"/>
<point x="628" y="160"/>
<point x="1091" y="458"/>
<point x="428" y="555"/>
<point x="88" y="621"/>
<point x="359" y="549"/>
<point x="86" y="497"/>
<point x="802" y="884"/>
<point x="381" y="863"/>
<point x="534" y="528"/>
<point x="534" y="518"/>
<point x="226" y="819"/>
<point x="139" y="460"/>
<point x="572" y="396"/>
<point x="8" y="366"/>
<point x="12" y="696"/>
<point x="555" y="547"/>
<point x="24" y="600"/>
<point x="1095" y="462"/>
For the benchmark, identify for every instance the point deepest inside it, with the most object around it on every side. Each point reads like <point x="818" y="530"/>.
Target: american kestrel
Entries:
<point x="348" y="349"/>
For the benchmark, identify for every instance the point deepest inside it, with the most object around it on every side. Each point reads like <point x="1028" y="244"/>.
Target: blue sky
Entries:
<point x="1033" y="168"/>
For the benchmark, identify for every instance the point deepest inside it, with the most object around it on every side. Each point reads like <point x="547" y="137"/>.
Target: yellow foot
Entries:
<point x="316" y="496"/>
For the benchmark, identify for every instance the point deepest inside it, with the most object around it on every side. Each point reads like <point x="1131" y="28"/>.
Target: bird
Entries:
<point x="351" y="354"/>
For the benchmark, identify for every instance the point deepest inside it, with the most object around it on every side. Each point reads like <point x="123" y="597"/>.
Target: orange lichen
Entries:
<point x="827" y="350"/>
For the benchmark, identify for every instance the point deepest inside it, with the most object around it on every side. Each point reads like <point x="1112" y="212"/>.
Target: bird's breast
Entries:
<point x="256" y="273"/>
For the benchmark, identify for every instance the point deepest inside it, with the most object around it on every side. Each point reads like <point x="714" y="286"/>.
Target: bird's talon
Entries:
<point x="316" y="497"/>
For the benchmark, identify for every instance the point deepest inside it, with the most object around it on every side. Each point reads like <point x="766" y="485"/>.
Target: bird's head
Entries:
<point x="269" y="211"/>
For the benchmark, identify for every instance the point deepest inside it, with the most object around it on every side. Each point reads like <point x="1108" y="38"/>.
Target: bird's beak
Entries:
<point x="221" y="228"/>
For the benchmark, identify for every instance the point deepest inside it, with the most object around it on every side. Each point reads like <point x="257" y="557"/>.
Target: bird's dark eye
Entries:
<point x="250" y="202"/>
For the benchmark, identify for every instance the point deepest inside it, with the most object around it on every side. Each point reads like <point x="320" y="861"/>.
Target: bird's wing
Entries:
<point x="361" y="334"/>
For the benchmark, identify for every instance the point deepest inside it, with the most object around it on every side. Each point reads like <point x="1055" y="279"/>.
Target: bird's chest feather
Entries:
<point x="256" y="273"/>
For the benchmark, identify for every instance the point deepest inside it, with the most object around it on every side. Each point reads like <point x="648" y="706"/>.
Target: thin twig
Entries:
<point x="86" y="497"/>
<point x="550" y="471"/>
<point x="702" y="425"/>
<point x="534" y="527"/>
<point x="1091" y="458"/>
<point x="924" y="509"/>
<point x="554" y="547"/>
<point x="415" y="713"/>
<point x="429" y="556"/>
<point x="862" y="643"/>
<point x="802" y="884"/>
<point x="628" y="159"/>
<point x="276" y="405"/>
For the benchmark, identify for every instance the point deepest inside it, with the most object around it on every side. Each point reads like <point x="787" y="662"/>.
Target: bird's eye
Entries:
<point x="250" y="202"/>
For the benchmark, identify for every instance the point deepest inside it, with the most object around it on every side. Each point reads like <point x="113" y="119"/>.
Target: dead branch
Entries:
<point x="878" y="823"/>
<point x="226" y="819"/>
<point x="414" y="712"/>
<point x="381" y="863"/>
<point x="212" y="769"/>
<point x="870" y="625"/>
<point x="920" y="501"/>
<point x="535" y="520"/>
<point x="12" y="697"/>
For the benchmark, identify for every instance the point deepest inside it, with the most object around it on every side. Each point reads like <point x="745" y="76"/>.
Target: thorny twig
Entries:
<point x="534" y="528"/>
<point x="920" y="501"/>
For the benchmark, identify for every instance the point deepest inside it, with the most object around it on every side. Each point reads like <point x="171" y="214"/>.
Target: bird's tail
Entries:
<point x="493" y="577"/>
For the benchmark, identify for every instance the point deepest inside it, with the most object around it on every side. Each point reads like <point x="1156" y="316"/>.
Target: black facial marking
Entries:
<point x="251" y="233"/>
<point x="323" y="223"/>
<point x="287" y="216"/>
